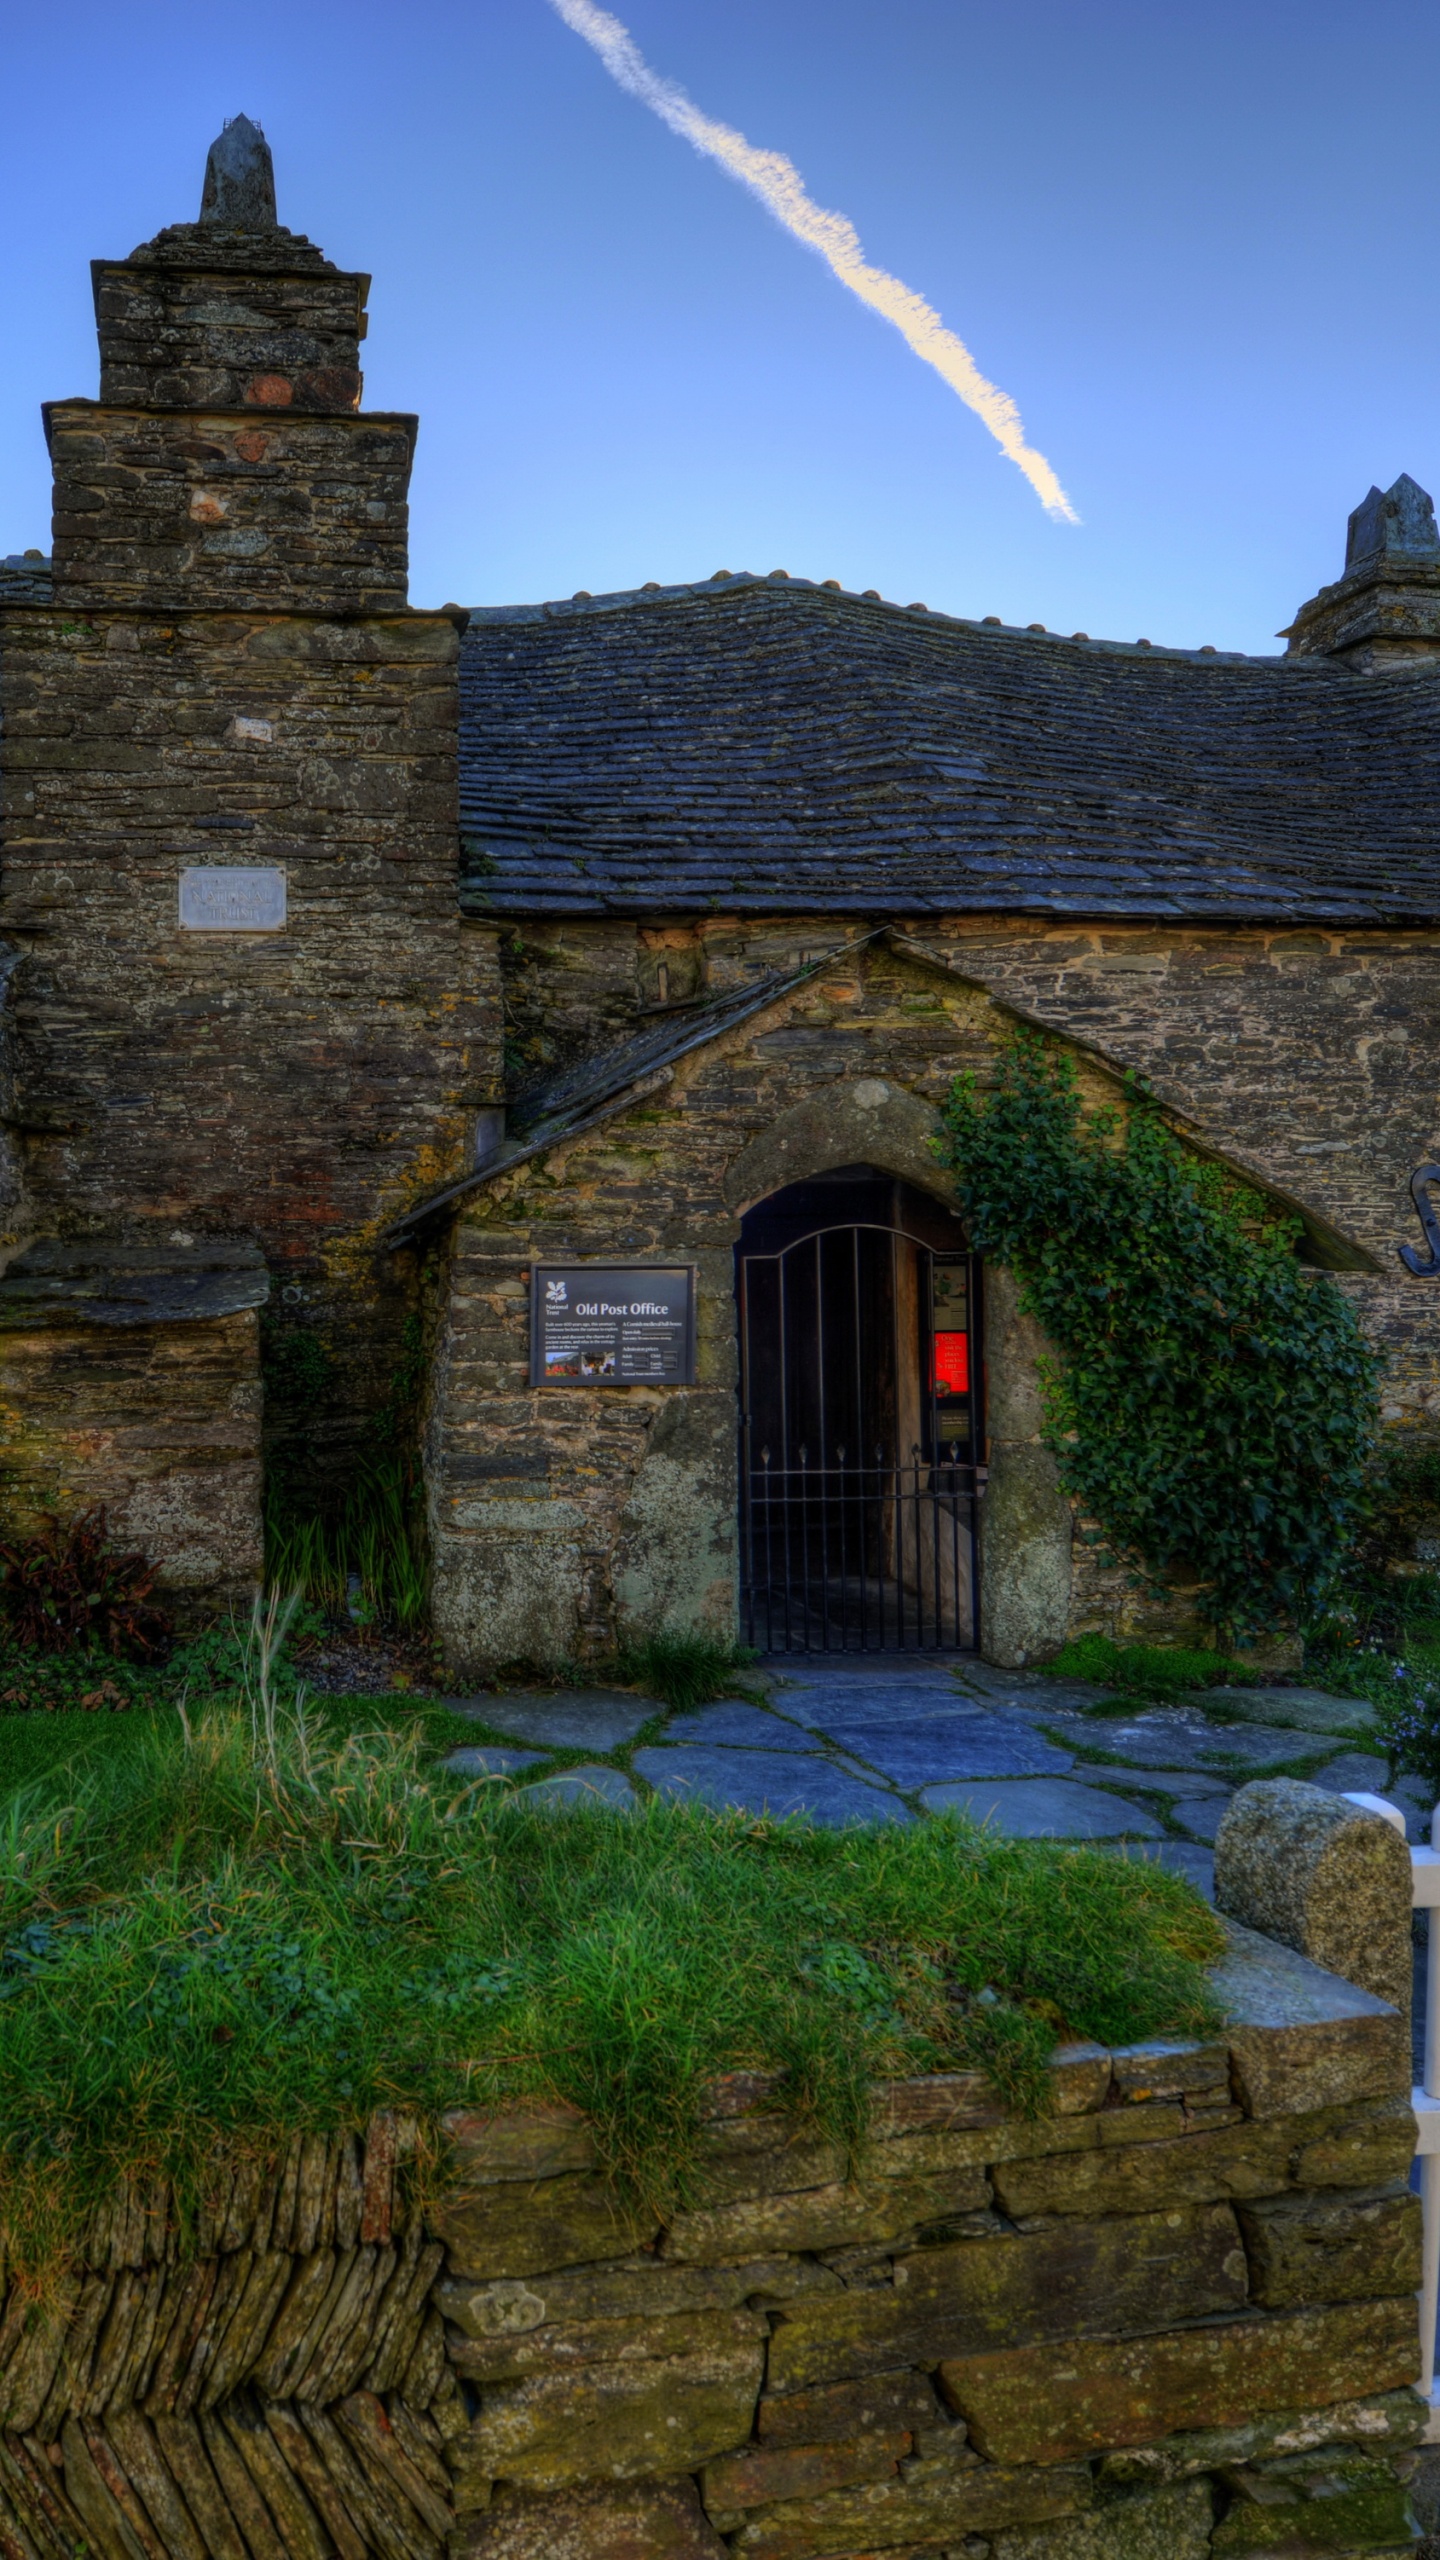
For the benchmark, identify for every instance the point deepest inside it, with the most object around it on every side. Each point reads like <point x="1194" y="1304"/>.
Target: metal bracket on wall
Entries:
<point x="1425" y="1267"/>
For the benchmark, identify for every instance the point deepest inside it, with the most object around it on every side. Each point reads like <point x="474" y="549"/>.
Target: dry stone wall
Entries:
<point x="1172" y="2318"/>
<point x="1310" y="1060"/>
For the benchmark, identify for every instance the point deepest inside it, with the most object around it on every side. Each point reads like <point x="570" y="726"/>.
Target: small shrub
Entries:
<point x="686" y="1669"/>
<point x="1407" y="1723"/>
<point x="1210" y="1403"/>
<point x="1147" y="1670"/>
<point x="68" y="1589"/>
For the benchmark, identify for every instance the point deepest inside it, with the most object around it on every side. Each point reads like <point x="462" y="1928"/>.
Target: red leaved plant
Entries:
<point x="67" y="1588"/>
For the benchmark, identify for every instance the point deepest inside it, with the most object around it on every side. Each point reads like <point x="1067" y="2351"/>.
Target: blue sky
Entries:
<point x="1194" y="239"/>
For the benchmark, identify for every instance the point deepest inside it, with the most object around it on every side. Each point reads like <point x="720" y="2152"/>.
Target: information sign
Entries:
<point x="231" y="898"/>
<point x="612" y="1324"/>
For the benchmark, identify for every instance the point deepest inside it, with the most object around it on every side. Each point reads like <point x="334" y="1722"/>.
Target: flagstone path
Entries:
<point x="892" y="1737"/>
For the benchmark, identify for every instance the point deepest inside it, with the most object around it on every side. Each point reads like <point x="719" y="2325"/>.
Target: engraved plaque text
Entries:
<point x="227" y="898"/>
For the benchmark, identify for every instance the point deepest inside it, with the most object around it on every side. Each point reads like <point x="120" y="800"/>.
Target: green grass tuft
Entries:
<point x="367" y="1556"/>
<point x="687" y="1669"/>
<point x="245" y="1923"/>
<point x="1147" y="1670"/>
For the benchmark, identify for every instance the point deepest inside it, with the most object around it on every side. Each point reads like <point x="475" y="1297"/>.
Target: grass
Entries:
<point x="1160" y="1671"/>
<point x="32" y="1746"/>
<point x="687" y="1669"/>
<point x="245" y="1922"/>
<point x="367" y="1558"/>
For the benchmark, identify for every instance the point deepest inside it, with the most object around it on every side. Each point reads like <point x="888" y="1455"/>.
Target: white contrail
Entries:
<point x="778" y="184"/>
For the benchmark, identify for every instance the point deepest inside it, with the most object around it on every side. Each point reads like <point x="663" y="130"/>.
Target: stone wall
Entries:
<point x="227" y="673"/>
<point x="290" y="1088"/>
<point x="171" y="510"/>
<point x="1308" y="1060"/>
<point x="1174" y="2317"/>
<point x="138" y="1388"/>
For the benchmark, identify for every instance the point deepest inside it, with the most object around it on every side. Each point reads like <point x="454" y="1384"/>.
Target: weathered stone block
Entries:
<point x="761" y="2474"/>
<point x="620" y="2290"/>
<point x="492" y="2145"/>
<point x="1142" y="2072"/>
<point x="930" y="2503"/>
<point x="955" y="2100"/>
<point x="568" y="2346"/>
<point x="621" y="2420"/>
<point x="1394" y="2419"/>
<point x="159" y="1424"/>
<point x="1322" y="1876"/>
<point x="1340" y="2248"/>
<point x="1367" y="2150"/>
<point x="1302" y="2037"/>
<point x="828" y="2217"/>
<point x="1165" y="2524"/>
<point x="660" y="2520"/>
<point x="1315" y="2503"/>
<point x="1331" y="2147"/>
<point x="1051" y="2403"/>
<point x="1067" y="2281"/>
<point x="174" y="510"/>
<point x="510" y="2229"/>
<point x="904" y="2399"/>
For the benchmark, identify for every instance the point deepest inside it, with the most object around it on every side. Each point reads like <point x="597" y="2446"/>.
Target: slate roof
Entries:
<point x="560" y="1106"/>
<point x="768" y="746"/>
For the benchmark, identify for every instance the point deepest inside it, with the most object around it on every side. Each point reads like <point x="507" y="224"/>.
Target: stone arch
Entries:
<point x="1026" y="1525"/>
<point x="856" y="1120"/>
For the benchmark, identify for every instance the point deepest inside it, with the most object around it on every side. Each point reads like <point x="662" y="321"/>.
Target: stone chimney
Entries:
<point x="227" y="464"/>
<point x="1385" y="611"/>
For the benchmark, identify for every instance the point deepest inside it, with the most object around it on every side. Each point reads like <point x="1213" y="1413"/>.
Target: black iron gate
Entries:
<point x="860" y="1421"/>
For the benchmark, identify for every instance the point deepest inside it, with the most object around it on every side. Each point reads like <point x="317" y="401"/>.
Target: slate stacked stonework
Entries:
<point x="1171" y="2318"/>
<point x="1218" y="871"/>
<point x="538" y="861"/>
<point x="220" y="667"/>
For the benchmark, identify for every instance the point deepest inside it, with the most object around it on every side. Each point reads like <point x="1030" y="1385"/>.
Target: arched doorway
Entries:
<point x="861" y="1428"/>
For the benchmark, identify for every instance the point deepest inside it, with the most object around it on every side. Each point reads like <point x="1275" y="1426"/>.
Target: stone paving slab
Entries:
<point x="1196" y="1865"/>
<point x="1201" y="1815"/>
<point x="918" y="1752"/>
<point x="1172" y="1782"/>
<point x="582" y="1786"/>
<point x="816" y="1689"/>
<point x="1029" y="1692"/>
<point x="743" y="1727"/>
<point x="1354" y="1772"/>
<point x="1178" y="1738"/>
<point x="773" y="1782"/>
<point x="567" y="1720"/>
<point x="485" y="1760"/>
<point x="1045" y="1809"/>
<point x="1309" y="1710"/>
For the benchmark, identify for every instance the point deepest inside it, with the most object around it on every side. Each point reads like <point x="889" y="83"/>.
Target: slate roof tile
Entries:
<point x="755" y="746"/>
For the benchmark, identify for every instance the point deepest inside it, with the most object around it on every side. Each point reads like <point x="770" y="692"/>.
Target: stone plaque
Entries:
<point x="229" y="898"/>
<point x="607" y="1324"/>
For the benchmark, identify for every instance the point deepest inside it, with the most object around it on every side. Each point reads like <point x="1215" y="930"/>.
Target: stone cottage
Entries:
<point x="579" y="982"/>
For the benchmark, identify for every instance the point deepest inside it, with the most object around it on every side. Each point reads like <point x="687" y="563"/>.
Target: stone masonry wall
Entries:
<point x="177" y="509"/>
<point x="1172" y="2318"/>
<point x="161" y="1425"/>
<point x="294" y="1088"/>
<point x="1311" y="1061"/>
